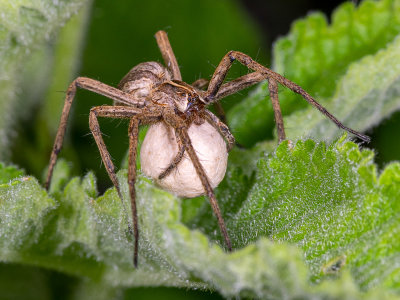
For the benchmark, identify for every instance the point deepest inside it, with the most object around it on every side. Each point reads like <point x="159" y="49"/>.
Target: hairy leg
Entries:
<point x="222" y="128"/>
<point x="136" y="116"/>
<point x="133" y="133"/>
<point x="201" y="84"/>
<point x="91" y="85"/>
<point x="206" y="184"/>
<point x="273" y="94"/>
<point x="168" y="54"/>
<point x="238" y="84"/>
<point x="105" y="155"/>
<point x="176" y="160"/>
<point x="225" y="64"/>
<point x="175" y="122"/>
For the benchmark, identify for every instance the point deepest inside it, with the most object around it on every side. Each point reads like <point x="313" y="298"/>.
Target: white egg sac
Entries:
<point x="160" y="147"/>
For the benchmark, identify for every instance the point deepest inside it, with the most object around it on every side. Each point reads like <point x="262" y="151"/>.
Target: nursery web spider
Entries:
<point x="151" y="93"/>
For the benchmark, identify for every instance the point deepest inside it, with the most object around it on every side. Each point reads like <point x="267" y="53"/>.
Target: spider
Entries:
<point x="151" y="93"/>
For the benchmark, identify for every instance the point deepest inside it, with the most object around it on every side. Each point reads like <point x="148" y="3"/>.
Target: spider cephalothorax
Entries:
<point x="181" y="96"/>
<point x="156" y="95"/>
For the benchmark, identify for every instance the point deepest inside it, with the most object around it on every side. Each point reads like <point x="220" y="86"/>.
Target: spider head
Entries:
<point x="185" y="98"/>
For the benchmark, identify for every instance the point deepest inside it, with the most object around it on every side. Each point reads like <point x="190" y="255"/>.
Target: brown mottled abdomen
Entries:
<point x="144" y="77"/>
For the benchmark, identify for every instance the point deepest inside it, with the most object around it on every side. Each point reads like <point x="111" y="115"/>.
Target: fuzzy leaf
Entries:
<point x="366" y="94"/>
<point x="329" y="202"/>
<point x="314" y="55"/>
<point x="332" y="204"/>
<point x="27" y="29"/>
<point x="8" y="172"/>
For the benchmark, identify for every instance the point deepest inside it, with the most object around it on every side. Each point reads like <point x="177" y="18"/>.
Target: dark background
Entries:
<point x="201" y="32"/>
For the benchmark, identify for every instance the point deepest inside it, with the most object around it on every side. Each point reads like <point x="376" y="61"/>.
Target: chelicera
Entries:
<point x="153" y="94"/>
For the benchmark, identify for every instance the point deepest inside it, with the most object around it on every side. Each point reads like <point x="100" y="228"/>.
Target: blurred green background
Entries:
<point x="119" y="36"/>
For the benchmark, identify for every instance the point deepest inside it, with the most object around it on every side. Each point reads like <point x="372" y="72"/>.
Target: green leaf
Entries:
<point x="328" y="201"/>
<point x="331" y="204"/>
<point x="27" y="29"/>
<point x="8" y="172"/>
<point x="314" y="55"/>
<point x="307" y="222"/>
<point x="365" y="95"/>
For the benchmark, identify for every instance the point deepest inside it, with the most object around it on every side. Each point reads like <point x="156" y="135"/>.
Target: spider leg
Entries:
<point x="91" y="85"/>
<point x="200" y="84"/>
<point x="222" y="128"/>
<point x="225" y="64"/>
<point x="238" y="84"/>
<point x="176" y="160"/>
<point x="95" y="112"/>
<point x="175" y="122"/>
<point x="206" y="184"/>
<point x="135" y="115"/>
<point x="220" y="111"/>
<point x="232" y="87"/>
<point x="250" y="79"/>
<point x="168" y="54"/>
<point x="273" y="94"/>
<point x="133" y="132"/>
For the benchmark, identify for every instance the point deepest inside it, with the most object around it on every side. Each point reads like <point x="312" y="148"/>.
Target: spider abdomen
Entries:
<point x="160" y="147"/>
<point x="143" y="78"/>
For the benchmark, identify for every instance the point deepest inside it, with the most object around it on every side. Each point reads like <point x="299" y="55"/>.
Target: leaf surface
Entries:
<point x="326" y="203"/>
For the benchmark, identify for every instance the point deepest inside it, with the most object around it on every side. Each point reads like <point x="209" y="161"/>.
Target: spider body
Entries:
<point x="143" y="78"/>
<point x="151" y="94"/>
<point x="152" y="84"/>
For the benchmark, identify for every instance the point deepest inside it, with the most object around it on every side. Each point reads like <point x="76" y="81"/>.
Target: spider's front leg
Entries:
<point x="90" y="85"/>
<point x="181" y="129"/>
<point x="206" y="184"/>
<point x="216" y="88"/>
<point x="201" y="84"/>
<point x="241" y="83"/>
<point x="176" y="160"/>
<point x="222" y="128"/>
